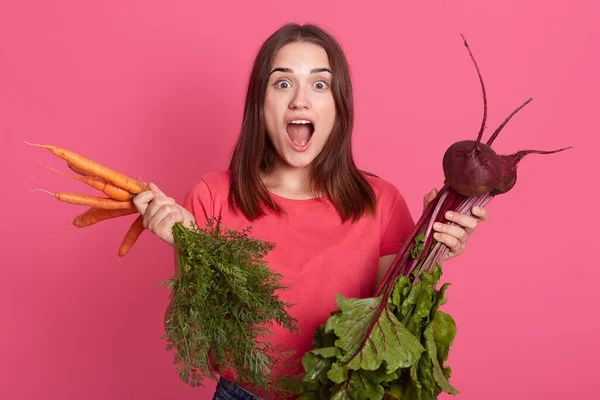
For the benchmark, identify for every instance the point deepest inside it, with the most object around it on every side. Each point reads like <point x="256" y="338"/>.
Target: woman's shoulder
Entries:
<point x="382" y="187"/>
<point x="394" y="212"/>
<point x="211" y="183"/>
<point x="217" y="179"/>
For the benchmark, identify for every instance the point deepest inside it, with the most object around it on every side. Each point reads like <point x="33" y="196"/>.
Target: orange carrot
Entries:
<point x="112" y="191"/>
<point x="76" y="170"/>
<point x="90" y="167"/>
<point x="92" y="201"/>
<point x="94" y="215"/>
<point x="132" y="235"/>
<point x="98" y="183"/>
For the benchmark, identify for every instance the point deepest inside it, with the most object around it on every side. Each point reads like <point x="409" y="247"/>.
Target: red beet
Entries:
<point x="472" y="168"/>
<point x="509" y="168"/>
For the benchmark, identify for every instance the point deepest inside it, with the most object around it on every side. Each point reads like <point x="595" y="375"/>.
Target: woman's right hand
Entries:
<point x="160" y="213"/>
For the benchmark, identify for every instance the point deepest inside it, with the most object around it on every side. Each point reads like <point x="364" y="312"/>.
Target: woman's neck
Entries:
<point x="289" y="182"/>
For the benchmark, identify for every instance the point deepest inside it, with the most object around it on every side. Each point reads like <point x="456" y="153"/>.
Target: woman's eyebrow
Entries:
<point x="312" y="71"/>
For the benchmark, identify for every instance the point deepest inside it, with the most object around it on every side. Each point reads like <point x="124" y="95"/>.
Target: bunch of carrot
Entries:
<point x="119" y="189"/>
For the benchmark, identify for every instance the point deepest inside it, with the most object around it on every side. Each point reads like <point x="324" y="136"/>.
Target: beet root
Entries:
<point x="508" y="167"/>
<point x="471" y="168"/>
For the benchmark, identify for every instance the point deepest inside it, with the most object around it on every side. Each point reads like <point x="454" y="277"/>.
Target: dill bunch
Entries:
<point x="221" y="307"/>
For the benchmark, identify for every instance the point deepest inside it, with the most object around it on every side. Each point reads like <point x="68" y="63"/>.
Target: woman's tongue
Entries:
<point x="299" y="133"/>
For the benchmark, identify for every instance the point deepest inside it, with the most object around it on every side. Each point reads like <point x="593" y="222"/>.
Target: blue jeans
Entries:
<point x="227" y="390"/>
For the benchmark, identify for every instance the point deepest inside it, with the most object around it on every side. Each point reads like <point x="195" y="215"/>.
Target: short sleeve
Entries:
<point x="199" y="201"/>
<point x="397" y="224"/>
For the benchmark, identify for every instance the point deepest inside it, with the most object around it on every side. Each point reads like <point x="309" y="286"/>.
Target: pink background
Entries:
<point x="156" y="88"/>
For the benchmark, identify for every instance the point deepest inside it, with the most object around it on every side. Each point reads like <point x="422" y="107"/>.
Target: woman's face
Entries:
<point x="299" y="107"/>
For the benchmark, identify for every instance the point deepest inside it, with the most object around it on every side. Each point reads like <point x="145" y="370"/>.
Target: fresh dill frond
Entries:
<point x="221" y="305"/>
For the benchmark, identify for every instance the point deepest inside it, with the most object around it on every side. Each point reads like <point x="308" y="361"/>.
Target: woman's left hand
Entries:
<point x="453" y="236"/>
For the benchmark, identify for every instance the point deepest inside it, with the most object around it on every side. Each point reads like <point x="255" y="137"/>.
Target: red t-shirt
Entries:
<point x="317" y="255"/>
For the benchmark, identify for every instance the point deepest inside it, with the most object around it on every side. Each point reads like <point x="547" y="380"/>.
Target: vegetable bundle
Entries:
<point x="395" y="345"/>
<point x="119" y="188"/>
<point x="224" y="298"/>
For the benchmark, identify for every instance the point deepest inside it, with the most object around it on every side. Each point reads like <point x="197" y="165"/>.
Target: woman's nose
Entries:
<point x="300" y="100"/>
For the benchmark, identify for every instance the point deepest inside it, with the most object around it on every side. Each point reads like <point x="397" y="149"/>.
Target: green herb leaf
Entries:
<point x="318" y="362"/>
<point x="419" y="245"/>
<point x="426" y="381"/>
<point x="417" y="307"/>
<point x="359" y="387"/>
<point x="393" y="347"/>
<point x="443" y="330"/>
<point x="369" y="338"/>
<point x="401" y="290"/>
<point x="221" y="306"/>
<point x="439" y="299"/>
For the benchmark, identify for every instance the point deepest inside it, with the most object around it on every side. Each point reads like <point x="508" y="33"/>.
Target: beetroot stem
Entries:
<point x="520" y="154"/>
<point x="445" y="203"/>
<point x="435" y="214"/>
<point x="433" y="252"/>
<point x="497" y="131"/>
<point x="482" y="88"/>
<point x="439" y="251"/>
<point x="399" y="261"/>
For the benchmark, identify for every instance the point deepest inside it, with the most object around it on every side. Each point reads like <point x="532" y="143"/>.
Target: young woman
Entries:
<point x="292" y="178"/>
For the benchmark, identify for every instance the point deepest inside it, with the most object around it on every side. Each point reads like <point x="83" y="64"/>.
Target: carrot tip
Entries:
<point x="57" y="171"/>
<point x="42" y="190"/>
<point x="36" y="174"/>
<point x="36" y="144"/>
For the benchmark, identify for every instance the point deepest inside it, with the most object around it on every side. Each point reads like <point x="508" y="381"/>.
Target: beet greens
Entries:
<point x="395" y="345"/>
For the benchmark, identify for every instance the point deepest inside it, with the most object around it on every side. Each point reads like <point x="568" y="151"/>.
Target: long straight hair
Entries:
<point x="333" y="172"/>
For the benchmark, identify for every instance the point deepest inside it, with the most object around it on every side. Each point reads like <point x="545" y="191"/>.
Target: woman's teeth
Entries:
<point x="300" y="132"/>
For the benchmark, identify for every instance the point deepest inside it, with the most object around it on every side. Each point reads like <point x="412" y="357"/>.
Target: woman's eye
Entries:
<point x="282" y="84"/>
<point x="321" y="85"/>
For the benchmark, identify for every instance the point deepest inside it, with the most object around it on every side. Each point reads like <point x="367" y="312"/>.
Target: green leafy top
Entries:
<point x="221" y="306"/>
<point x="393" y="346"/>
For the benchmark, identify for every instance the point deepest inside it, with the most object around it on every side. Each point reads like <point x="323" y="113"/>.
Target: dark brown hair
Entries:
<point x="334" y="172"/>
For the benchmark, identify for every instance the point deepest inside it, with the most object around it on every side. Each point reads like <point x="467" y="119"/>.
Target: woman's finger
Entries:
<point x="142" y="200"/>
<point x="154" y="206"/>
<point x="164" y="227"/>
<point x="161" y="214"/>
<point x="452" y="230"/>
<point x="480" y="213"/>
<point x="467" y="222"/>
<point x="429" y="197"/>
<point x="451" y="242"/>
<point x="155" y="189"/>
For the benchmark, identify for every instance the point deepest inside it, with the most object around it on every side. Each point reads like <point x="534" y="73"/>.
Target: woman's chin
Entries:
<point x="299" y="164"/>
<point x="299" y="161"/>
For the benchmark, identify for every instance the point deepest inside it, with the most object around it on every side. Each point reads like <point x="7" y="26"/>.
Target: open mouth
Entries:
<point x="301" y="132"/>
